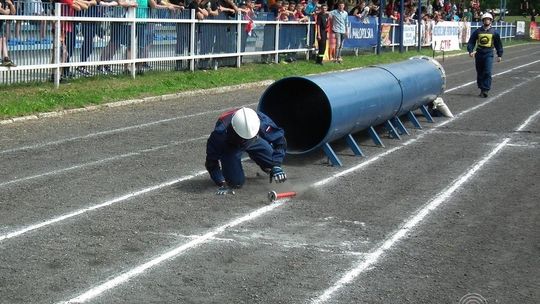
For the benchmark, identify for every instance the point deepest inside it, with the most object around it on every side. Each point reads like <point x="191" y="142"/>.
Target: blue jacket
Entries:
<point x="223" y="139"/>
<point x="485" y="41"/>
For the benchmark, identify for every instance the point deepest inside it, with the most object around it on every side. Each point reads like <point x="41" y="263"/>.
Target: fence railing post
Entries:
<point x="238" y="39"/>
<point x="133" y="44"/>
<point x="276" y="44"/>
<point x="308" y="41"/>
<point x="58" y="49"/>
<point x="192" y="40"/>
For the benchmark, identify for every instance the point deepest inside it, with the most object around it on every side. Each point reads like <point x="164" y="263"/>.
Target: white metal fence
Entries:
<point x="50" y="42"/>
<point x="116" y="40"/>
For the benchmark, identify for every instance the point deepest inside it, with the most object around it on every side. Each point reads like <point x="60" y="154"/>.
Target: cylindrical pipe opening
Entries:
<point x="301" y="108"/>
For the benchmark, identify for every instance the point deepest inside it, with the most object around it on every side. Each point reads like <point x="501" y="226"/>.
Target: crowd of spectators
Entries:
<point x="222" y="38"/>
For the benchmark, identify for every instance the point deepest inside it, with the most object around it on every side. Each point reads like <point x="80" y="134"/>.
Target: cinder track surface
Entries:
<point x="113" y="206"/>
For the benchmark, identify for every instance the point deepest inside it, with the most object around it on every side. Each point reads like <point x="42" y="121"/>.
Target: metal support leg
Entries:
<point x="426" y="113"/>
<point x="413" y="120"/>
<point x="354" y="146"/>
<point x="375" y="137"/>
<point x="334" y="160"/>
<point x="399" y="125"/>
<point x="393" y="132"/>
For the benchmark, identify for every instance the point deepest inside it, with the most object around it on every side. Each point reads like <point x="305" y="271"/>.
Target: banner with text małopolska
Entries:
<point x="361" y="34"/>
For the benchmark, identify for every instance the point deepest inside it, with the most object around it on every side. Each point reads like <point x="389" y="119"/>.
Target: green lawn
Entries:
<point x="25" y="99"/>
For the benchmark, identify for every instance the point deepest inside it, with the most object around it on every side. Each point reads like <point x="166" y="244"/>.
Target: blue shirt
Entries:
<point x="339" y="21"/>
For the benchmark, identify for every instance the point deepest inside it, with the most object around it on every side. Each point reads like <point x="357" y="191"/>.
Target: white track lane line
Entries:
<point x="531" y="55"/>
<point x="26" y="229"/>
<point x="92" y="293"/>
<point x="79" y="166"/>
<point x="188" y="116"/>
<point x="98" y="206"/>
<point x="113" y="131"/>
<point x="528" y="121"/>
<point x="374" y="255"/>
<point x="494" y="75"/>
<point x="98" y="162"/>
<point x="126" y="276"/>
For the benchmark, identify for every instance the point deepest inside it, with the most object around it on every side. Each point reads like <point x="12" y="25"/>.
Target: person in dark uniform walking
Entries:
<point x="238" y="131"/>
<point x="485" y="39"/>
<point x="322" y="34"/>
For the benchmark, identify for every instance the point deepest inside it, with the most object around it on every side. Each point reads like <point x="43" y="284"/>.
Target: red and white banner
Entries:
<point x="534" y="31"/>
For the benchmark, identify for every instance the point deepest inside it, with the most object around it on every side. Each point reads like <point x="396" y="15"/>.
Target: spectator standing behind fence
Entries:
<point x="182" y="31"/>
<point x="339" y="28"/>
<point x="6" y="8"/>
<point x="120" y="34"/>
<point x="18" y="11"/>
<point x="467" y="15"/>
<point x="524" y="7"/>
<point x="534" y="14"/>
<point x="226" y="37"/>
<point x="154" y="9"/>
<point x="207" y="33"/>
<point x="322" y="32"/>
<point x="89" y="30"/>
<point x="35" y="8"/>
<point x="298" y="38"/>
<point x="485" y="38"/>
<point x="247" y="9"/>
<point x="67" y="34"/>
<point x="361" y="11"/>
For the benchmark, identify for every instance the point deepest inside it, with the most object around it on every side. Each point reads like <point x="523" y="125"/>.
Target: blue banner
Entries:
<point x="362" y="33"/>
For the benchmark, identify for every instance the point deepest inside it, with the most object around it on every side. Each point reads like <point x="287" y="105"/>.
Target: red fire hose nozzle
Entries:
<point x="273" y="195"/>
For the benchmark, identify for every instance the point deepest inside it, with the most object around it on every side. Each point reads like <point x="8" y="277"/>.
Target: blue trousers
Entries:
<point x="484" y="65"/>
<point x="259" y="150"/>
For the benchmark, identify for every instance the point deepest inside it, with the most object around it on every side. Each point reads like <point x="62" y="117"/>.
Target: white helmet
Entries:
<point x="246" y="123"/>
<point x="487" y="15"/>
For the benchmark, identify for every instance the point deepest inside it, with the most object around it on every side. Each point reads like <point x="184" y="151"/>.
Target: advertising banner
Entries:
<point x="520" y="28"/>
<point x="409" y="35"/>
<point x="361" y="35"/>
<point x="445" y="36"/>
<point x="386" y="40"/>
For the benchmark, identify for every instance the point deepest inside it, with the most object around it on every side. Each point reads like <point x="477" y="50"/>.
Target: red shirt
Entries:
<point x="67" y="10"/>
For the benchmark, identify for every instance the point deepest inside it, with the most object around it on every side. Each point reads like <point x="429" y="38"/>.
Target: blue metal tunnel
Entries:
<point x="316" y="110"/>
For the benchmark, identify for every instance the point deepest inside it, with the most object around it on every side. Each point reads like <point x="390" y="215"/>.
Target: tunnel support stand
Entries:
<point x="354" y="146"/>
<point x="399" y="125"/>
<point x="375" y="137"/>
<point x="393" y="132"/>
<point x="413" y="120"/>
<point x="332" y="157"/>
<point x="425" y="111"/>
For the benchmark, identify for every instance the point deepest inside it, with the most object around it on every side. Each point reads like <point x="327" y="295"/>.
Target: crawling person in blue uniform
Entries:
<point x="485" y="39"/>
<point x="238" y="131"/>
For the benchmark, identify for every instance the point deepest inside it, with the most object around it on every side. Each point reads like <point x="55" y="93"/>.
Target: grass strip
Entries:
<point x="31" y="98"/>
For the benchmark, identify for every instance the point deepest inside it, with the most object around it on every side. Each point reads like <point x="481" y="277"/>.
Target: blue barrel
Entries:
<point x="319" y="109"/>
